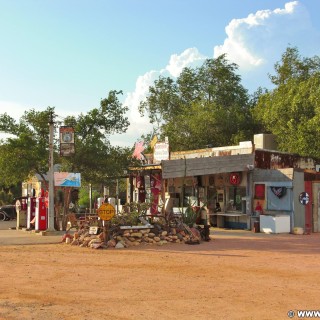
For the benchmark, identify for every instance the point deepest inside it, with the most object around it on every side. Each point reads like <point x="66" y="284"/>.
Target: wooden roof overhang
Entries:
<point x="206" y="166"/>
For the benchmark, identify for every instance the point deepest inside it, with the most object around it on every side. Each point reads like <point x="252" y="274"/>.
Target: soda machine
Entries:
<point x="41" y="222"/>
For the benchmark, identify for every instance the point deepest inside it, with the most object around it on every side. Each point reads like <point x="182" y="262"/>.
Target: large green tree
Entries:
<point x="95" y="157"/>
<point x="26" y="152"/>
<point x="291" y="110"/>
<point x="204" y="106"/>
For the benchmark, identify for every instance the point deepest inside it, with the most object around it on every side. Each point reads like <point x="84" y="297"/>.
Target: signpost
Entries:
<point x="106" y="212"/>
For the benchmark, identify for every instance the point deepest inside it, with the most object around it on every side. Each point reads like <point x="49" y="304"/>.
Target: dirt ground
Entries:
<point x="238" y="275"/>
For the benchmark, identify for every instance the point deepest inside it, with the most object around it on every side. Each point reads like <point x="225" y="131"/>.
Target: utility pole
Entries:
<point x="117" y="196"/>
<point x="50" y="176"/>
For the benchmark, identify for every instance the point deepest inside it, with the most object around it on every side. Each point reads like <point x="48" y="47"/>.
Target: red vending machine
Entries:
<point x="31" y="212"/>
<point x="41" y="214"/>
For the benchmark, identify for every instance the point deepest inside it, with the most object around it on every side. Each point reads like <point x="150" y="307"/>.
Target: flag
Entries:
<point x="153" y="141"/>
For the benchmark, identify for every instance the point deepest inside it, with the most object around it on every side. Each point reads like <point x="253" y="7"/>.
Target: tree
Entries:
<point x="26" y="153"/>
<point x="204" y="106"/>
<point x="95" y="157"/>
<point x="291" y="110"/>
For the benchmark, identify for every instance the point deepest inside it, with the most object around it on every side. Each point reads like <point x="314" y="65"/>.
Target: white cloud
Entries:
<point x="138" y="125"/>
<point x="141" y="125"/>
<point x="263" y="36"/>
<point x="256" y="43"/>
<point x="187" y="58"/>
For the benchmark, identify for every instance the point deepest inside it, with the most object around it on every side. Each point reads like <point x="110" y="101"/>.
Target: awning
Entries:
<point x="207" y="165"/>
<point x="146" y="167"/>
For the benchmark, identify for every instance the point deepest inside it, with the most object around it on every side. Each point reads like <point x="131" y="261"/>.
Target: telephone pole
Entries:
<point x="50" y="176"/>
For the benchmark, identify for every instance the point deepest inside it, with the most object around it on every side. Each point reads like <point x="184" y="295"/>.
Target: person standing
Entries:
<point x="205" y="221"/>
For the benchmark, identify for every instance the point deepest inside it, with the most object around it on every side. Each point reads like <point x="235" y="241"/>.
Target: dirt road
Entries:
<point x="238" y="275"/>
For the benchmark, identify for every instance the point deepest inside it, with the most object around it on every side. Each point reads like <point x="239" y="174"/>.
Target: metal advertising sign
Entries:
<point x="304" y="198"/>
<point x="67" y="179"/>
<point x="161" y="152"/>
<point x="66" y="141"/>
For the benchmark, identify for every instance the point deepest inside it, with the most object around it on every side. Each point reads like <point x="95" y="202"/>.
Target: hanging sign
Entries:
<point x="304" y="198"/>
<point x="66" y="141"/>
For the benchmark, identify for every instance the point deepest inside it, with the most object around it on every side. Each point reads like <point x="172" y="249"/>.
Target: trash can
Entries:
<point x="256" y="226"/>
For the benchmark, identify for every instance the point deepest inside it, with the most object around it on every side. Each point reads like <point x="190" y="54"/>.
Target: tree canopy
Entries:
<point x="291" y="110"/>
<point x="204" y="106"/>
<point x="26" y="152"/>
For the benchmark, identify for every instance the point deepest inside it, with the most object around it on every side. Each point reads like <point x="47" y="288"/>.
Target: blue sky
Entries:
<point x="70" y="53"/>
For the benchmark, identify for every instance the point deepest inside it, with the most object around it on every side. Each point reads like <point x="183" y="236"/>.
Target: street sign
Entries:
<point x="106" y="211"/>
<point x="304" y="198"/>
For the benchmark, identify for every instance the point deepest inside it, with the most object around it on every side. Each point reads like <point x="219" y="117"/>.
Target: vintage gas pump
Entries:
<point x="31" y="210"/>
<point x="41" y="214"/>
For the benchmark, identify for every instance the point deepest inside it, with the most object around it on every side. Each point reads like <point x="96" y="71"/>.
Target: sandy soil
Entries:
<point x="235" y="276"/>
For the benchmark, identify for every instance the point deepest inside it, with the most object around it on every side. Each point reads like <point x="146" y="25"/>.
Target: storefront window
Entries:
<point x="235" y="196"/>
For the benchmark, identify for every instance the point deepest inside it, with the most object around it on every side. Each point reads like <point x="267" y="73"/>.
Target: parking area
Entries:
<point x="10" y="236"/>
<point x="237" y="275"/>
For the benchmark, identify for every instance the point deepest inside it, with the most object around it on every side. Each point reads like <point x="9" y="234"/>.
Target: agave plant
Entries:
<point x="190" y="215"/>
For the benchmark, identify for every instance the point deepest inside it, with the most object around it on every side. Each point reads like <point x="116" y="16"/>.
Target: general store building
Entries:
<point x="245" y="181"/>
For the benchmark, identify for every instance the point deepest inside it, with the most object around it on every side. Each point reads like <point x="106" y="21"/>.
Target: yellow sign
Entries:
<point x="153" y="142"/>
<point x="106" y="211"/>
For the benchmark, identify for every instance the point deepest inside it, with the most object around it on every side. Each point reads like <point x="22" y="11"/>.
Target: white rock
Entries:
<point x="119" y="245"/>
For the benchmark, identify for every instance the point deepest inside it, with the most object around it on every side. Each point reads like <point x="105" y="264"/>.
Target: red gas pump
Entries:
<point x="41" y="214"/>
<point x="31" y="210"/>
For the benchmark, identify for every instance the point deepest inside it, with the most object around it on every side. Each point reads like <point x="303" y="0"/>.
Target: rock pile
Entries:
<point x="132" y="237"/>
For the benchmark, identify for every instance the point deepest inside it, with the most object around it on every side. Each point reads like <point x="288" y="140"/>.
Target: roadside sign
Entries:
<point x="304" y="198"/>
<point x="106" y="211"/>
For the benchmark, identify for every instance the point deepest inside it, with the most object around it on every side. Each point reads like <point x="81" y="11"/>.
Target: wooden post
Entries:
<point x="105" y="231"/>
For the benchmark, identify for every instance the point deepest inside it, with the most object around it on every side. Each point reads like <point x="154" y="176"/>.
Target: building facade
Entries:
<point x="238" y="183"/>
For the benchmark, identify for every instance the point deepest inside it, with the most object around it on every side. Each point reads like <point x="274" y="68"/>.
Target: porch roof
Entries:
<point x="208" y="165"/>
